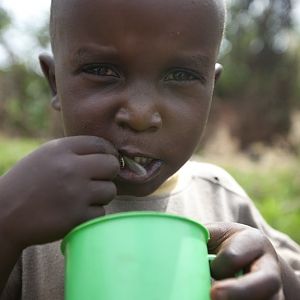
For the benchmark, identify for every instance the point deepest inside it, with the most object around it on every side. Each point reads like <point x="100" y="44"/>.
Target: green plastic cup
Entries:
<point x="137" y="256"/>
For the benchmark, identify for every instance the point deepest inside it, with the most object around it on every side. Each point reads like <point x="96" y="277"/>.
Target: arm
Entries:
<point x="9" y="255"/>
<point x="9" y="251"/>
<point x="54" y="189"/>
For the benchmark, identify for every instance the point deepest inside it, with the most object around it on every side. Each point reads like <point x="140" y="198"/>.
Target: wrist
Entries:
<point x="8" y="244"/>
<point x="9" y="255"/>
<point x="9" y="230"/>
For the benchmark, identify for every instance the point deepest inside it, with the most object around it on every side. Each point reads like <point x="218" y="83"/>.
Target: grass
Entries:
<point x="11" y="150"/>
<point x="276" y="192"/>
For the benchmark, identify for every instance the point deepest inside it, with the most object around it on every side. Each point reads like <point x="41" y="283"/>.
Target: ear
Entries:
<point x="48" y="68"/>
<point x="218" y="71"/>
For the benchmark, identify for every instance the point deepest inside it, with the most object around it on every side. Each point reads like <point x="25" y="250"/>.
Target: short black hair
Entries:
<point x="53" y="18"/>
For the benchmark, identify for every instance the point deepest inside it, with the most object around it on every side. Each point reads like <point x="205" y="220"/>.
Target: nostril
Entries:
<point x="138" y="119"/>
<point x="122" y="117"/>
<point x="156" y="120"/>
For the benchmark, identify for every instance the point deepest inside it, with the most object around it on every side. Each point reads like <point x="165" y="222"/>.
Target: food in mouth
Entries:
<point x="135" y="165"/>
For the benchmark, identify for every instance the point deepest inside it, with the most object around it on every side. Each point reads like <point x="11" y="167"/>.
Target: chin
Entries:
<point x="136" y="190"/>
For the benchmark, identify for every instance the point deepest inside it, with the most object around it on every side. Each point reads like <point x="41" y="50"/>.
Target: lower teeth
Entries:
<point x="132" y="165"/>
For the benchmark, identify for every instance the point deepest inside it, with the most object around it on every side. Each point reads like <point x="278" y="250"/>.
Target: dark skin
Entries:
<point x="124" y="76"/>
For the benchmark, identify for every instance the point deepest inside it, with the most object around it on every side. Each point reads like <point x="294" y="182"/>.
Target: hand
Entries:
<point x="239" y="247"/>
<point x="55" y="188"/>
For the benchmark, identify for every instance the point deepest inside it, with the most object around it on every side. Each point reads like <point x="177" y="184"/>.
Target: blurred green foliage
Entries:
<point x="276" y="194"/>
<point x="26" y="105"/>
<point x="260" y="55"/>
<point x="24" y="93"/>
<point x="5" y="20"/>
<point x="12" y="150"/>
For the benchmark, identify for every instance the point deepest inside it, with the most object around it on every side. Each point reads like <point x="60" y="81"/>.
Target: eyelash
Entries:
<point x="177" y="75"/>
<point x="101" y="70"/>
<point x="182" y="75"/>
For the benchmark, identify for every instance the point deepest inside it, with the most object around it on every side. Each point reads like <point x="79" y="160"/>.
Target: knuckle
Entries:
<point x="264" y="243"/>
<point x="103" y="145"/>
<point x="231" y="255"/>
<point x="54" y="144"/>
<point x="261" y="241"/>
<point x="258" y="235"/>
<point x="65" y="168"/>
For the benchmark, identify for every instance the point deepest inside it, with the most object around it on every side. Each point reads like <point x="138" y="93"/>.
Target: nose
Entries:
<point x="139" y="113"/>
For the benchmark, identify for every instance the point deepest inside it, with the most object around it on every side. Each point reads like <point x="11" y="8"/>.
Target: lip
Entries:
<point x="132" y="152"/>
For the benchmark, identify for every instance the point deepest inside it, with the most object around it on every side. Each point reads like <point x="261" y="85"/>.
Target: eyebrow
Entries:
<point x="193" y="59"/>
<point x="99" y="52"/>
<point x="83" y="54"/>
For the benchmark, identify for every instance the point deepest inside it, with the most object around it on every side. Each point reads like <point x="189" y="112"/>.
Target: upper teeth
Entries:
<point x="142" y="160"/>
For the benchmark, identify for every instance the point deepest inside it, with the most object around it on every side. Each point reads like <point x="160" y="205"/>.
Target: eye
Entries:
<point x="181" y="75"/>
<point x="101" y="70"/>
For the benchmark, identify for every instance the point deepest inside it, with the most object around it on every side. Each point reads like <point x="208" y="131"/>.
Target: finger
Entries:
<point x="220" y="232"/>
<point x="258" y="285"/>
<point x="100" y="166"/>
<point x="237" y="253"/>
<point x="102" y="192"/>
<point x="94" y="212"/>
<point x="83" y="145"/>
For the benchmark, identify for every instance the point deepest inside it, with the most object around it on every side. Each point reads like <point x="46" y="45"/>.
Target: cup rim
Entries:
<point x="123" y="215"/>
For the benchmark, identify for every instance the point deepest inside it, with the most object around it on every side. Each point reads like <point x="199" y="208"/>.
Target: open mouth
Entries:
<point x="138" y="166"/>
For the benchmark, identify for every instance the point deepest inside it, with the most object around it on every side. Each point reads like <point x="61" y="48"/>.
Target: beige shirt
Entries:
<point x="201" y="191"/>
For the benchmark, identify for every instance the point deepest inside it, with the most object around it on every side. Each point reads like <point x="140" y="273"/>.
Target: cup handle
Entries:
<point x="211" y="257"/>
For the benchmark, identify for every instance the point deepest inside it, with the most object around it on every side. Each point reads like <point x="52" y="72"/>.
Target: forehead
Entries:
<point x="85" y="20"/>
<point x="150" y="6"/>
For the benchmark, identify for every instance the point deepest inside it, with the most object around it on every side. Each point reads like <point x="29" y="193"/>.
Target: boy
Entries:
<point x="133" y="80"/>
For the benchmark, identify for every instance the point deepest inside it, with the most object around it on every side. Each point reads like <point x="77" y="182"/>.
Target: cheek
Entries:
<point x="74" y="120"/>
<point x="84" y="111"/>
<point x="187" y="137"/>
<point x="186" y="131"/>
<point x="80" y="117"/>
<point x="190" y="116"/>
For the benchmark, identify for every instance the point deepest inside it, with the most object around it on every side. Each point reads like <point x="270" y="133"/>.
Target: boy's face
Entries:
<point x="140" y="74"/>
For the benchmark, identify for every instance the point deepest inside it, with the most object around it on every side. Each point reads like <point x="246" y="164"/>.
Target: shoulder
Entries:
<point x="213" y="174"/>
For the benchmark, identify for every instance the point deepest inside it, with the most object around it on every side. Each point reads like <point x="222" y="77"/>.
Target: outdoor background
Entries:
<point x="254" y="128"/>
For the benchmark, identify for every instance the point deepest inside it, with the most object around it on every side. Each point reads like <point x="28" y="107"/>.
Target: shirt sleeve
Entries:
<point x="288" y="249"/>
<point x="245" y="212"/>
